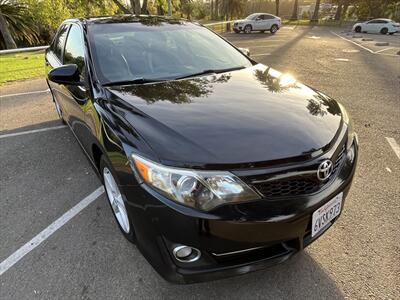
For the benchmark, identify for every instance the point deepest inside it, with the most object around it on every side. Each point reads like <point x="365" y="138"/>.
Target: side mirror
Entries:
<point x="67" y="74"/>
<point x="245" y="51"/>
<point x="258" y="19"/>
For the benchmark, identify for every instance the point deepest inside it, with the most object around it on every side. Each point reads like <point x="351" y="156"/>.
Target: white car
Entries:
<point x="258" y="22"/>
<point x="383" y="26"/>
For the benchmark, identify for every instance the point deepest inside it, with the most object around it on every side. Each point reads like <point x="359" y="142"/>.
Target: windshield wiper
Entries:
<point x="133" y="81"/>
<point x="210" y="71"/>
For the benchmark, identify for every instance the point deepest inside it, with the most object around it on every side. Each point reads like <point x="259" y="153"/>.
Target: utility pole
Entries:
<point x="169" y="8"/>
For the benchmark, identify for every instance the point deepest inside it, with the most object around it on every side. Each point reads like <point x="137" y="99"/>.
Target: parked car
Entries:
<point x="213" y="164"/>
<point x="258" y="22"/>
<point x="383" y="26"/>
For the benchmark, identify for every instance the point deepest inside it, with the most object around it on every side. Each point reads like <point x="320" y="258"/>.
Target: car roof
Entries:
<point x="383" y="19"/>
<point x="146" y="19"/>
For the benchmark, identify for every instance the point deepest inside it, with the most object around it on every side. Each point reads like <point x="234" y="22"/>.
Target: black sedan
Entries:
<point x="213" y="165"/>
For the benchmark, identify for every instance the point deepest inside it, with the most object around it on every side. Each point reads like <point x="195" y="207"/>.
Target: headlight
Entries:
<point x="349" y="123"/>
<point x="203" y="190"/>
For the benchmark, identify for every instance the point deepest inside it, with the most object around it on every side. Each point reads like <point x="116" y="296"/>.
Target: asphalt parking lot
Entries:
<point x="83" y="256"/>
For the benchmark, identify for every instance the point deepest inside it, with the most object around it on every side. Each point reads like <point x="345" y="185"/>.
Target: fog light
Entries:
<point x="186" y="254"/>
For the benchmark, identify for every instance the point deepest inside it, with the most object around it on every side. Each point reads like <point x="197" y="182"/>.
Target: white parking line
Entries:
<point x="47" y="232"/>
<point x="379" y="51"/>
<point x="365" y="48"/>
<point x="260" y="54"/>
<point x="396" y="148"/>
<point x="2" y="136"/>
<point x="361" y="46"/>
<point x="27" y="93"/>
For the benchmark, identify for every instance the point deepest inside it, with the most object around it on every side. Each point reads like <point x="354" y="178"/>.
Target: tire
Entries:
<point x="384" y="31"/>
<point x="262" y="31"/>
<point x="58" y="110"/>
<point x="247" y="29"/>
<point x="274" y="29"/>
<point x="391" y="33"/>
<point x="116" y="199"/>
<point x="357" y="29"/>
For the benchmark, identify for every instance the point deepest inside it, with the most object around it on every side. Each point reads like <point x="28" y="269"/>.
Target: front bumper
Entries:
<point x="233" y="239"/>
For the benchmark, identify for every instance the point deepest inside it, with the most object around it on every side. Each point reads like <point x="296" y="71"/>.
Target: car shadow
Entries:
<point x="301" y="277"/>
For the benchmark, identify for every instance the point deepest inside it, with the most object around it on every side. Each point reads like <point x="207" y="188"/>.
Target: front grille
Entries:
<point x="290" y="187"/>
<point x="296" y="185"/>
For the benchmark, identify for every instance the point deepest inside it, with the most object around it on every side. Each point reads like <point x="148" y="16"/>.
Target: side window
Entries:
<point x="59" y="42"/>
<point x="268" y="17"/>
<point x="74" y="52"/>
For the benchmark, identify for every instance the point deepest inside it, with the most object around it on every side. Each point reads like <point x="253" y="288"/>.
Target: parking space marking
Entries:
<point x="357" y="44"/>
<point x="379" y="51"/>
<point x="361" y="46"/>
<point x="2" y="136"/>
<point x="260" y="54"/>
<point x="396" y="148"/>
<point x="27" y="93"/>
<point x="48" y="231"/>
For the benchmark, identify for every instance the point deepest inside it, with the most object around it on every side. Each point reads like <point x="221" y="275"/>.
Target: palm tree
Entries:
<point x="230" y="8"/>
<point x="316" y="11"/>
<point x="277" y="7"/>
<point x="15" y="24"/>
<point x="295" y="10"/>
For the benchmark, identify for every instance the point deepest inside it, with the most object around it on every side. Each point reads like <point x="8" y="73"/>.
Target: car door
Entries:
<point x="268" y="21"/>
<point x="258" y="22"/>
<point x="53" y="59"/>
<point x="75" y="96"/>
<point x="372" y="26"/>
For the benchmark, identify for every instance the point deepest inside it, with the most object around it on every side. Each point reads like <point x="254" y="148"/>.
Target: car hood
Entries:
<point x="241" y="117"/>
<point x="241" y="21"/>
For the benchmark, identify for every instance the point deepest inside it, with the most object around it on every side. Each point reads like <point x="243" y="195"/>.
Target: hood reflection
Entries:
<point x="178" y="92"/>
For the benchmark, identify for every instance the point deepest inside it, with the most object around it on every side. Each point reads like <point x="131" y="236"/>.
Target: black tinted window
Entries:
<point x="74" y="48"/>
<point x="268" y="17"/>
<point x="60" y="42"/>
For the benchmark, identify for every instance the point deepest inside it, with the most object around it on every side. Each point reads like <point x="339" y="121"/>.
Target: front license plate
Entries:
<point x="323" y="216"/>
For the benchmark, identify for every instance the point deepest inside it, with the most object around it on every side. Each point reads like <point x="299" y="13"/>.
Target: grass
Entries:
<point x="21" y="66"/>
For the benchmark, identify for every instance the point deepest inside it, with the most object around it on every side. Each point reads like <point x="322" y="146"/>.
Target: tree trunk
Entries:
<point x="295" y="15"/>
<point x="216" y="10"/>
<point x="121" y="7"/>
<point x="169" y="8"/>
<point x="316" y="11"/>
<point x="137" y="7"/>
<point x="338" y="14"/>
<point x="345" y="7"/>
<point x="5" y="32"/>
<point x="277" y="7"/>
<point x="144" y="8"/>
<point x="212" y="10"/>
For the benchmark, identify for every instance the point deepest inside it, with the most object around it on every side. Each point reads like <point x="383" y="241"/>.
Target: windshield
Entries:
<point x="124" y="52"/>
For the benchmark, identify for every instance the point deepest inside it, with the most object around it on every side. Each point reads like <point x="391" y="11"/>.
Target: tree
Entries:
<point x="15" y="24"/>
<point x="316" y="11"/>
<point x="338" y="13"/>
<point x="187" y="7"/>
<point x="295" y="12"/>
<point x="277" y="7"/>
<point x="231" y="8"/>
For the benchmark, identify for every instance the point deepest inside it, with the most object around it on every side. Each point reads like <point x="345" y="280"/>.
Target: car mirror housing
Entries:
<point x="67" y="74"/>
<point x="245" y="51"/>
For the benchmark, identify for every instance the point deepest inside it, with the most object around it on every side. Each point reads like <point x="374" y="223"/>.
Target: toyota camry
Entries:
<point x="213" y="164"/>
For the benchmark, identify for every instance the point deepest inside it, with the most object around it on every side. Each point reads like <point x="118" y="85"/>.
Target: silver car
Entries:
<point x="258" y="22"/>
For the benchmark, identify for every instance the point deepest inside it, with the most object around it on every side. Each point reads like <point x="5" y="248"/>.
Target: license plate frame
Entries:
<point x="323" y="216"/>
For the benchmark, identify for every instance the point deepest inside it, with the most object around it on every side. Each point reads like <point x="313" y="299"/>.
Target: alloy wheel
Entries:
<point x="116" y="200"/>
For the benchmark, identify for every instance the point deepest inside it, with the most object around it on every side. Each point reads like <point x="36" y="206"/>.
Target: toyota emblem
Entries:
<point x="325" y="170"/>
